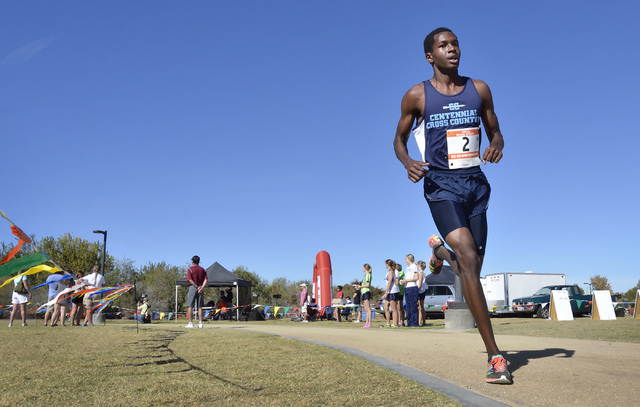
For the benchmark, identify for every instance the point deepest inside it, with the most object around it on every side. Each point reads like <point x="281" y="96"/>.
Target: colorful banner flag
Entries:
<point x="22" y="238"/>
<point x="24" y="262"/>
<point x="67" y="277"/>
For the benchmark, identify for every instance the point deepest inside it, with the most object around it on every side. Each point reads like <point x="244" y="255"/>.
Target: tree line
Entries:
<point x="158" y="280"/>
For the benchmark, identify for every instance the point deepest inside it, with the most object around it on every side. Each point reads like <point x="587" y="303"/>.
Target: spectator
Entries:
<point x="21" y="295"/>
<point x="52" y="283"/>
<point x="400" y="293"/>
<point x="422" y="292"/>
<point x="339" y="296"/>
<point x="304" y="302"/>
<point x="197" y="278"/>
<point x="76" y="302"/>
<point x="365" y="290"/>
<point x="60" y="307"/>
<point x="225" y="302"/>
<point x="356" y="301"/>
<point x="411" y="290"/>
<point x="391" y="294"/>
<point x="346" y="311"/>
<point x="94" y="279"/>
<point x="144" y="314"/>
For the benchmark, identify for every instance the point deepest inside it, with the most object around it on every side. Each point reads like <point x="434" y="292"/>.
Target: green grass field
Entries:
<point x="165" y="364"/>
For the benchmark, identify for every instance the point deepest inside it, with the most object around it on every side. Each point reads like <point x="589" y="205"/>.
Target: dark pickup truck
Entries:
<point x="538" y="303"/>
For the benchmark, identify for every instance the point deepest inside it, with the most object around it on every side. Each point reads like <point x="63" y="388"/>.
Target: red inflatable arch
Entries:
<point x="322" y="279"/>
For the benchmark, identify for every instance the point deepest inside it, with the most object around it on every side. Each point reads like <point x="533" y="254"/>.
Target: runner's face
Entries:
<point x="446" y="51"/>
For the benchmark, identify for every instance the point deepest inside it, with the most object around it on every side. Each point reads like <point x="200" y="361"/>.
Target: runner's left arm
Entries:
<point x="493" y="153"/>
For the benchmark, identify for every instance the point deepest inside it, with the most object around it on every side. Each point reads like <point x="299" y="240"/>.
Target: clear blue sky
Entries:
<point x="259" y="133"/>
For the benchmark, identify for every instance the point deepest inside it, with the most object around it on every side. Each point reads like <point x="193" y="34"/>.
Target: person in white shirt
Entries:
<point x="422" y="292"/>
<point x="94" y="279"/>
<point x="391" y="294"/>
<point x="411" y="290"/>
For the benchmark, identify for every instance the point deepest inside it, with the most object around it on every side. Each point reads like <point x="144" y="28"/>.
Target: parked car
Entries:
<point x="437" y="297"/>
<point x="538" y="303"/>
<point x="435" y="301"/>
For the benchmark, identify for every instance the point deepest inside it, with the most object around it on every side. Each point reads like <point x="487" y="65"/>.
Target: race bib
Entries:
<point x="463" y="148"/>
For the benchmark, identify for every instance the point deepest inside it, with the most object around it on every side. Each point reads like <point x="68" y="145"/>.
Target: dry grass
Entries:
<point x="624" y="329"/>
<point x="165" y="364"/>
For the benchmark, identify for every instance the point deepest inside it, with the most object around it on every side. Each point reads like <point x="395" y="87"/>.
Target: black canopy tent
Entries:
<point x="218" y="276"/>
<point x="446" y="276"/>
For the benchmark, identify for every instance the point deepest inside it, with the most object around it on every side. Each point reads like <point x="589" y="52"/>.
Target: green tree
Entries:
<point x="158" y="281"/>
<point x="124" y="272"/>
<point x="630" y="296"/>
<point x="279" y="287"/>
<point x="258" y="285"/>
<point x="75" y="254"/>
<point x="600" y="283"/>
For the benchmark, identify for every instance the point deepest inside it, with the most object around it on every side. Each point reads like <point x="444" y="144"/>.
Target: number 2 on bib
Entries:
<point x="463" y="148"/>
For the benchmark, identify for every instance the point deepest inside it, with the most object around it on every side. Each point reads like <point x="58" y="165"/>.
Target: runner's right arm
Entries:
<point x="410" y="110"/>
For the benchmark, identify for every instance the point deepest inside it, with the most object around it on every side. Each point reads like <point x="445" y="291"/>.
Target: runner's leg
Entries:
<point x="469" y="264"/>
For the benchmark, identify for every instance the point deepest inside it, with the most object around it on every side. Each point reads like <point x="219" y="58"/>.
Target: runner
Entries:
<point x="447" y="110"/>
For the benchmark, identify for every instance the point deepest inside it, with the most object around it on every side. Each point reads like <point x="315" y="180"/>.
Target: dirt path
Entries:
<point x="546" y="371"/>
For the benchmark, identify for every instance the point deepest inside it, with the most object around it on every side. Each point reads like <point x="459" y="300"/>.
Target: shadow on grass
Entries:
<point x="168" y="356"/>
<point x="517" y="359"/>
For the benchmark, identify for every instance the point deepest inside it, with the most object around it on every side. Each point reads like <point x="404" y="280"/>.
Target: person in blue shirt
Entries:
<point x="52" y="282"/>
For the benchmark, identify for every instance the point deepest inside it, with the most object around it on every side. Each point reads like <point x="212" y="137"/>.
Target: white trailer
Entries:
<point x="501" y="288"/>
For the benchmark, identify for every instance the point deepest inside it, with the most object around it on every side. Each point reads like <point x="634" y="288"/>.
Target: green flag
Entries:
<point x="22" y="263"/>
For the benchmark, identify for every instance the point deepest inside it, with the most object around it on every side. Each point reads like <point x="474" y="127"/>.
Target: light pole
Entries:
<point x="104" y="248"/>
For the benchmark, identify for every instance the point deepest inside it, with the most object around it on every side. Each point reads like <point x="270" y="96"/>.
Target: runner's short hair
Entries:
<point x="430" y="38"/>
<point x="195" y="259"/>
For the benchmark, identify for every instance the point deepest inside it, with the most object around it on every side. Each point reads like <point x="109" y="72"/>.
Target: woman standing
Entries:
<point x="76" y="303"/>
<point x="400" y="293"/>
<point x="365" y="291"/>
<point x="411" y="290"/>
<point x="391" y="294"/>
<point x="422" y="292"/>
<point x="19" y="298"/>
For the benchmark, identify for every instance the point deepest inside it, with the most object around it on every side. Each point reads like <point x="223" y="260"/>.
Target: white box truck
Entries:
<point x="501" y="288"/>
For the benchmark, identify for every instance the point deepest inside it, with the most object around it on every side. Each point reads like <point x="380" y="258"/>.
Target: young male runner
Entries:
<point x="447" y="110"/>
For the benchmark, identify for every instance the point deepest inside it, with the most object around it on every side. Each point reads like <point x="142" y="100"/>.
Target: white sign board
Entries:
<point x="635" y="307"/>
<point x="560" y="306"/>
<point x="602" y="307"/>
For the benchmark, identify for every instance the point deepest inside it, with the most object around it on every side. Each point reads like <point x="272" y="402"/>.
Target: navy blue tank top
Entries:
<point x="449" y="112"/>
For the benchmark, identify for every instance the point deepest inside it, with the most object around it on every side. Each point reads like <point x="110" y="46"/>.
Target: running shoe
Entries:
<point x="189" y="325"/>
<point x="200" y="324"/>
<point x="366" y="326"/>
<point x="497" y="372"/>
<point x="435" y="264"/>
<point x="10" y="324"/>
<point x="24" y="324"/>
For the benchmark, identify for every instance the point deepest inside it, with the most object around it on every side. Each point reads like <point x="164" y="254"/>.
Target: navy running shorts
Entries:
<point x="459" y="199"/>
